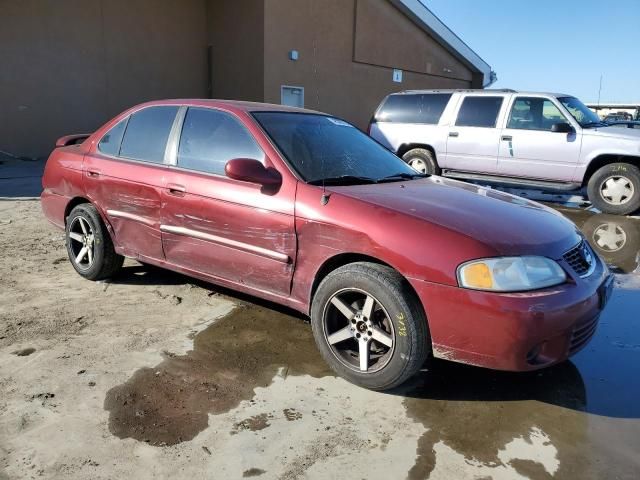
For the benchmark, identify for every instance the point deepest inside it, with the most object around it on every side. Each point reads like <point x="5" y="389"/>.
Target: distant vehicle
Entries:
<point x="625" y="124"/>
<point x="618" y="117"/>
<point x="540" y="140"/>
<point x="303" y="209"/>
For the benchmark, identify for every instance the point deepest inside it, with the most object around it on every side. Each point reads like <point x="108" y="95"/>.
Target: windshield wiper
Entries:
<point x="402" y="176"/>
<point x="343" y="180"/>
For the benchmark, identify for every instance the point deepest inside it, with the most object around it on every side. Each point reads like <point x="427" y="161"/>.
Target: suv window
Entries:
<point x="210" y="138"/>
<point x="414" y="108"/>
<point x="479" y="112"/>
<point x="532" y="113"/>
<point x="145" y="137"/>
<point x="110" y="143"/>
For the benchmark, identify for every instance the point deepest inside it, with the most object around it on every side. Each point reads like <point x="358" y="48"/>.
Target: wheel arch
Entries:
<point x="405" y="147"/>
<point x="333" y="263"/>
<point x="79" y="200"/>
<point x="605" y="159"/>
<point x="73" y="203"/>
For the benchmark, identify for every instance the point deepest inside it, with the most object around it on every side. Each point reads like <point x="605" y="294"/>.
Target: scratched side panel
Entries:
<point x="128" y="195"/>
<point x="250" y="238"/>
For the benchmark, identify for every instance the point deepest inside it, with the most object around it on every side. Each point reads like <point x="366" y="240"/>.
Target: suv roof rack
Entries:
<point x="462" y="90"/>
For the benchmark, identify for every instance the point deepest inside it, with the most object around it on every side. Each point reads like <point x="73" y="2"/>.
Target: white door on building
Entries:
<point x="292" y="96"/>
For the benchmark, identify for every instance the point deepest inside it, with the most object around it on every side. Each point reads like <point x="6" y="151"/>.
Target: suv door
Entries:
<point x="473" y="139"/>
<point x="529" y="148"/>
<point x="235" y="231"/>
<point x="124" y="176"/>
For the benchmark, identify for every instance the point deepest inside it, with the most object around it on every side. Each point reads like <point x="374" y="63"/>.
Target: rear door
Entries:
<point x="411" y="118"/>
<point x="235" y="231"/>
<point x="124" y="178"/>
<point x="473" y="137"/>
<point x="528" y="147"/>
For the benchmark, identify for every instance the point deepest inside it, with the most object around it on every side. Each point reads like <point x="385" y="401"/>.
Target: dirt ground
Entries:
<point x="155" y="375"/>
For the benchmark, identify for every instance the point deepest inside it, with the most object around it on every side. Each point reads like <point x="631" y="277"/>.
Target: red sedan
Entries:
<point x="301" y="208"/>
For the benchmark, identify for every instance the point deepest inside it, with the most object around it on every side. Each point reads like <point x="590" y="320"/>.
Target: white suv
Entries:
<point x="541" y="140"/>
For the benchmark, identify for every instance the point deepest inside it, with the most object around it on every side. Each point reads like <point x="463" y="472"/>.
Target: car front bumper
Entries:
<point x="514" y="331"/>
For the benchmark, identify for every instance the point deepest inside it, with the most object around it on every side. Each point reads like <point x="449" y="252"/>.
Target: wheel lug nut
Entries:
<point x="369" y="333"/>
<point x="358" y="335"/>
<point x="353" y="320"/>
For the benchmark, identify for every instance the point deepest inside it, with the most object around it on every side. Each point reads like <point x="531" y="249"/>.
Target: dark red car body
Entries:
<point x="278" y="243"/>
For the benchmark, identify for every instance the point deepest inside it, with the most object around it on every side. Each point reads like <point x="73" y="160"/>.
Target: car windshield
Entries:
<point x="326" y="149"/>
<point x="582" y="114"/>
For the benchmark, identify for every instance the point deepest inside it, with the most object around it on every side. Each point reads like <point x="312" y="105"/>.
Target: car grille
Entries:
<point x="581" y="335"/>
<point x="581" y="259"/>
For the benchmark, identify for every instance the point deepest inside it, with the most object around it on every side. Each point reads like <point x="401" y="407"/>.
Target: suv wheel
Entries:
<point x="368" y="327"/>
<point x="615" y="188"/>
<point x="422" y="160"/>
<point x="89" y="245"/>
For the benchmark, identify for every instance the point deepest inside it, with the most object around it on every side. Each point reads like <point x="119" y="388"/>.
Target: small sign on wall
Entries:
<point x="397" y="75"/>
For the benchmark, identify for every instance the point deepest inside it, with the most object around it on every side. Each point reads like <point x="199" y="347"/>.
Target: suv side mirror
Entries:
<point x="562" y="127"/>
<point x="252" y="171"/>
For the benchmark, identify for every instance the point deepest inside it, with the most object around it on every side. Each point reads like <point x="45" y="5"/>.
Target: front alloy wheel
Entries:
<point x="358" y="330"/>
<point x="369" y="325"/>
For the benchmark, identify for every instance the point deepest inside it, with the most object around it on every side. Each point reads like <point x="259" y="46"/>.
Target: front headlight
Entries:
<point x="510" y="274"/>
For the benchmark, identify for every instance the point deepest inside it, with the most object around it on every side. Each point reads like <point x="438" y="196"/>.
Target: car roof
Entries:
<point x="486" y="91"/>
<point x="230" y="105"/>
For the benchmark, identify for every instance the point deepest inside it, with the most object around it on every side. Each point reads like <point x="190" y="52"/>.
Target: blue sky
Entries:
<point x="558" y="46"/>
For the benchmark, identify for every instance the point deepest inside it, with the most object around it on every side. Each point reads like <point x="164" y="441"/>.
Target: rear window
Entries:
<point x="479" y="112"/>
<point x="147" y="132"/>
<point x="110" y="143"/>
<point x="413" y="108"/>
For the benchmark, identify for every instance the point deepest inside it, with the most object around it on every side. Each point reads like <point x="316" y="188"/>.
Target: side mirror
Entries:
<point x="563" y="127"/>
<point x="252" y="171"/>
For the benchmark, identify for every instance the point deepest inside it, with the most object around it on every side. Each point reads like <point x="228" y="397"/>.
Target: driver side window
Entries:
<point x="534" y="113"/>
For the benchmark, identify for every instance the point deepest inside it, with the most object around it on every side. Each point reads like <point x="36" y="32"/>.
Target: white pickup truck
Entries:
<point x="541" y="140"/>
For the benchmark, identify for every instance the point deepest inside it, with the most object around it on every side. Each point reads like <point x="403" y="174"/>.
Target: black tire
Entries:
<point x="103" y="262"/>
<point x="614" y="171"/>
<point x="397" y="308"/>
<point x="422" y="160"/>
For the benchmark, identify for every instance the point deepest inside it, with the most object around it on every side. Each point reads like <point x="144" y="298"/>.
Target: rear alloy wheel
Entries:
<point x="615" y="188"/>
<point x="422" y="161"/>
<point x="368" y="326"/>
<point x="89" y="245"/>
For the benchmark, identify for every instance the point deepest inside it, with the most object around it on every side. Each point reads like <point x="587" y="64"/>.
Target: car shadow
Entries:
<point x="562" y="385"/>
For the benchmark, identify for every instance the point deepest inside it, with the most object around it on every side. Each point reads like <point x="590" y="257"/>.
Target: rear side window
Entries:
<point x="210" y="138"/>
<point x="110" y="143"/>
<point x="147" y="132"/>
<point x="413" y="108"/>
<point x="479" y="112"/>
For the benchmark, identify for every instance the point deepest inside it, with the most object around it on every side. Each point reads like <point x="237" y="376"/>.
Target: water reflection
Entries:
<point x="616" y="238"/>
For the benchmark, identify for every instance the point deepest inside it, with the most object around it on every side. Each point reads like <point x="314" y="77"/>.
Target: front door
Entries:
<point x="473" y="139"/>
<point x="229" y="230"/>
<point x="124" y="178"/>
<point x="528" y="147"/>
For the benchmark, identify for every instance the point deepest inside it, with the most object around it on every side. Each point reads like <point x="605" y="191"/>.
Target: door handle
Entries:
<point x="506" y="138"/>
<point x="453" y="134"/>
<point x="177" y="190"/>
<point x="93" y="173"/>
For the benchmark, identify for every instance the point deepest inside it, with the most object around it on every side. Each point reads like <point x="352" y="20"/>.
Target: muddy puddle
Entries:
<point x="170" y="403"/>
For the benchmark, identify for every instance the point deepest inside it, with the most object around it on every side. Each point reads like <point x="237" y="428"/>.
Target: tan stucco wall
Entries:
<point x="236" y="36"/>
<point x="348" y="49"/>
<point x="67" y="66"/>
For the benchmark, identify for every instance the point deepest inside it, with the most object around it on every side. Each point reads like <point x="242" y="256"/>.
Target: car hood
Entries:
<point x="504" y="223"/>
<point x="614" y="132"/>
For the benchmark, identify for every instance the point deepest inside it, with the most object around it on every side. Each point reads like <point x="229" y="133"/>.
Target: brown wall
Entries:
<point x="68" y="66"/>
<point x="347" y="53"/>
<point x="236" y="36"/>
